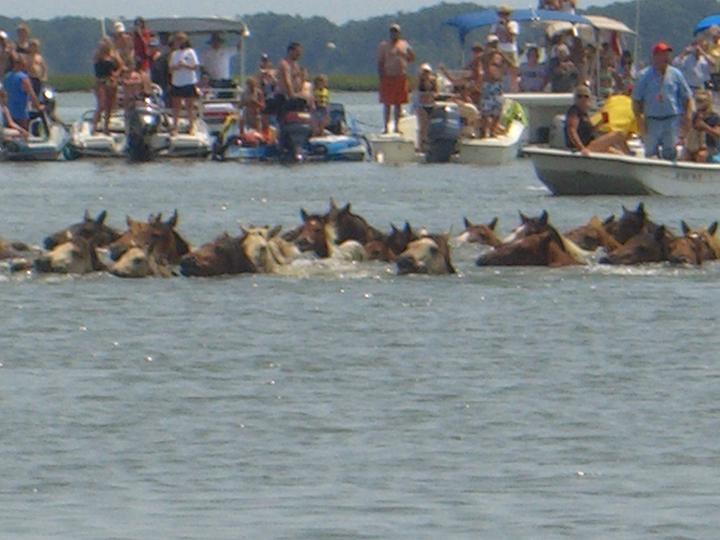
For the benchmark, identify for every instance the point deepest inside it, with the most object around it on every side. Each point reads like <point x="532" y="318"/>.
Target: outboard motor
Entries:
<point x="338" y="121"/>
<point x="295" y="130"/>
<point x="143" y="124"/>
<point x="443" y="132"/>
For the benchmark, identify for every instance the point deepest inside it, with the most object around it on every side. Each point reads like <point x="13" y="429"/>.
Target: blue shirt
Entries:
<point x="17" y="96"/>
<point x="662" y="96"/>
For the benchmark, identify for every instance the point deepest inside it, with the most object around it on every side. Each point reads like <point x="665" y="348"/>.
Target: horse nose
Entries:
<point x="50" y="243"/>
<point x="188" y="266"/>
<point x="116" y="251"/>
<point x="406" y="265"/>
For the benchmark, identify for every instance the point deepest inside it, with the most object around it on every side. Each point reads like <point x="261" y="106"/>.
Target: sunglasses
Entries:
<point x="583" y="96"/>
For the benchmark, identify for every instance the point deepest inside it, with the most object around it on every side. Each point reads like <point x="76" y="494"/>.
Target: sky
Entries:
<point x="338" y="11"/>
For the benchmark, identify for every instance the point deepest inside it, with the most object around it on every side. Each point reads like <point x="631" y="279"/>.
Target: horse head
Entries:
<point x="480" y="233"/>
<point x="644" y="247"/>
<point x="167" y="242"/>
<point x="91" y="229"/>
<point x="78" y="256"/>
<point x="427" y="255"/>
<point x="315" y="234"/>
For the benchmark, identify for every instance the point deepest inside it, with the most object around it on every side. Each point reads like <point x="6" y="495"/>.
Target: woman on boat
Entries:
<point x="8" y="128"/>
<point x="252" y="103"/>
<point x="184" y="78"/>
<point x="491" y="99"/>
<point x="107" y="65"/>
<point x="425" y="93"/>
<point x="580" y="135"/>
<point x="702" y="142"/>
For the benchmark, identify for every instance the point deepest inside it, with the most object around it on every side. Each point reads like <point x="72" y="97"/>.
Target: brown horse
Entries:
<point x="224" y="255"/>
<point x="594" y="235"/>
<point x="167" y="243"/>
<point x="710" y="243"/>
<point x="546" y="248"/>
<point x="480" y="233"/>
<point x="644" y="247"/>
<point x="93" y="230"/>
<point x="318" y="235"/>
<point x="77" y="256"/>
<point x="631" y="223"/>
<point x="350" y="226"/>
<point x="389" y="247"/>
<point x="427" y="255"/>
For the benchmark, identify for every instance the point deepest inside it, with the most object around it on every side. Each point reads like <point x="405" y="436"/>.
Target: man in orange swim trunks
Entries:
<point x="393" y="57"/>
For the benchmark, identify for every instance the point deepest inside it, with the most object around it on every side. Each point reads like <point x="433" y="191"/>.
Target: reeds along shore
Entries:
<point x="340" y="82"/>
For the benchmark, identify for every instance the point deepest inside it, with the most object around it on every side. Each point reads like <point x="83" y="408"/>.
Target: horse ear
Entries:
<point x="173" y="221"/>
<point x="660" y="233"/>
<point x="609" y="219"/>
<point x="243" y="229"/>
<point x="523" y="218"/>
<point x="493" y="224"/>
<point x="712" y="229"/>
<point x="393" y="228"/>
<point x="640" y="209"/>
<point x="544" y="217"/>
<point x="303" y="215"/>
<point x="275" y="231"/>
<point x="128" y="220"/>
<point x="346" y="209"/>
<point x="157" y="220"/>
<point x="408" y="229"/>
<point x="86" y="216"/>
<point x="100" y="219"/>
<point x="467" y="223"/>
<point x="333" y="205"/>
<point x="685" y="228"/>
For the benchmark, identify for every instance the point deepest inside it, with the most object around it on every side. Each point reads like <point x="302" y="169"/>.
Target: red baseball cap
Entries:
<point x="661" y="47"/>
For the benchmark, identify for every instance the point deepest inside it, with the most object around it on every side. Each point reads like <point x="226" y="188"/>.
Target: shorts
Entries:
<point x="274" y="104"/>
<point x="393" y="90"/>
<point x="187" y="91"/>
<point x="491" y="100"/>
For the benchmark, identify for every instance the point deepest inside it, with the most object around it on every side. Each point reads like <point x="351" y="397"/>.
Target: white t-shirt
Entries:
<point x="217" y="62"/>
<point x="507" y="35"/>
<point x="184" y="76"/>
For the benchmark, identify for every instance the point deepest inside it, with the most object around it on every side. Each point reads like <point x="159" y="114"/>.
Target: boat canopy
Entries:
<point x="706" y="23"/>
<point x="586" y="32"/>
<point x="470" y="21"/>
<point x="192" y="25"/>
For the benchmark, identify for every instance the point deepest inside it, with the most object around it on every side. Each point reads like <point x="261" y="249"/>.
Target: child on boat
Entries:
<point x="321" y="113"/>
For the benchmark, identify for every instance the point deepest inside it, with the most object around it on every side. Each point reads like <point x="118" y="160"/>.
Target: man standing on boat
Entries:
<point x="215" y="61"/>
<point x="661" y="101"/>
<point x="393" y="57"/>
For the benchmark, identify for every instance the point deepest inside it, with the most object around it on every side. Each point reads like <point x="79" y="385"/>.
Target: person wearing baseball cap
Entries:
<point x="392" y="59"/>
<point x="662" y="103"/>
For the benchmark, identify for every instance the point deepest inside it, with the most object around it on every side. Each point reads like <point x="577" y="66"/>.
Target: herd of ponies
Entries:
<point x="156" y="248"/>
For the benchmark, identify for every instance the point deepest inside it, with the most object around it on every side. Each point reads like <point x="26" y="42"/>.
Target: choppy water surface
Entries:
<point x="347" y="402"/>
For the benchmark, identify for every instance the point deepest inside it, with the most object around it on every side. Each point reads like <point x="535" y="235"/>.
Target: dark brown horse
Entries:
<point x="427" y="255"/>
<point x="389" y="247"/>
<point x="167" y="243"/>
<point x="546" y="248"/>
<point x="631" y="223"/>
<point x="350" y="226"/>
<point x="224" y="255"/>
<point x="644" y="247"/>
<point x="315" y="235"/>
<point x="480" y="233"/>
<point x="93" y="230"/>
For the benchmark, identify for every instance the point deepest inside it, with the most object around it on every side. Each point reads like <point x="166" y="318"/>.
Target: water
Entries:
<point x="346" y="402"/>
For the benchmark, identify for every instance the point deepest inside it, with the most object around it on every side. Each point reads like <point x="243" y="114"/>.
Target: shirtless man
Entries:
<point x="289" y="81"/>
<point x="393" y="57"/>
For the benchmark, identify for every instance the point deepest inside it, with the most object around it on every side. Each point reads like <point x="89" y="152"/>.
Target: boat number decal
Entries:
<point x="689" y="176"/>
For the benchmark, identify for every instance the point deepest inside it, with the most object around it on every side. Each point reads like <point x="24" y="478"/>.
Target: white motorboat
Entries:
<point x="497" y="150"/>
<point x="41" y="147"/>
<point x="570" y="173"/>
<point x="161" y="143"/>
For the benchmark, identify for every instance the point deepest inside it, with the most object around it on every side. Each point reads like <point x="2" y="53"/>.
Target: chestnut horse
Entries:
<point x="546" y="248"/>
<point x="710" y="243"/>
<point x="480" y="233"/>
<point x="427" y="255"/>
<point x="167" y="243"/>
<point x="594" y="235"/>
<point x="318" y="235"/>
<point x="93" y="230"/>
<point x="139" y="263"/>
<point x="223" y="256"/>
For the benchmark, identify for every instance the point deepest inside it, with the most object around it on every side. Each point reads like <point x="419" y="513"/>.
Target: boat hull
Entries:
<point x="568" y="173"/>
<point x="493" y="151"/>
<point x="37" y="149"/>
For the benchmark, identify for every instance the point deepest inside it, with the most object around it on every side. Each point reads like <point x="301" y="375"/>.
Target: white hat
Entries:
<point x="3" y="34"/>
<point x="118" y="27"/>
<point x="426" y="67"/>
<point x="492" y="38"/>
